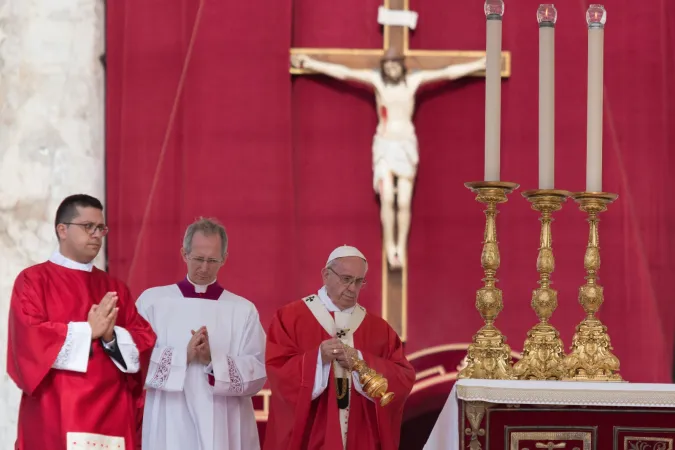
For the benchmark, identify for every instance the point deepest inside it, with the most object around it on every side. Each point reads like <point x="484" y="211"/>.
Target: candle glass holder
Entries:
<point x="543" y="357"/>
<point x="596" y="16"/>
<point x="489" y="357"/>
<point x="547" y="15"/>
<point x="591" y="357"/>
<point x="494" y="9"/>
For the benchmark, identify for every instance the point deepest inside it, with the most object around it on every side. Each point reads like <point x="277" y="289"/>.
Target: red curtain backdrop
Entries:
<point x="204" y="119"/>
<point x="198" y="106"/>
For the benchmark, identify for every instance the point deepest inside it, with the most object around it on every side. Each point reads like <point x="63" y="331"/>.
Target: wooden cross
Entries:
<point x="394" y="282"/>
<point x="397" y="37"/>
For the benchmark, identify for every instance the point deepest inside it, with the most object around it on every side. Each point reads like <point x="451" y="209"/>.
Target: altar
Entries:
<point x="528" y="415"/>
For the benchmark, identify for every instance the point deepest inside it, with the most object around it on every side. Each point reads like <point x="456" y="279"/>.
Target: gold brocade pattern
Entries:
<point x="647" y="443"/>
<point x="548" y="436"/>
<point x="475" y="412"/>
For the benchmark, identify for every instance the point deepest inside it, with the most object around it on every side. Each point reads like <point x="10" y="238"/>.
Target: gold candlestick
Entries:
<point x="543" y="350"/>
<point x="488" y="356"/>
<point x="591" y="358"/>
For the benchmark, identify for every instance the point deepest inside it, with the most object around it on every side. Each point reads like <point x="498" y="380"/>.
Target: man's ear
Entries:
<point x="61" y="230"/>
<point x="183" y="254"/>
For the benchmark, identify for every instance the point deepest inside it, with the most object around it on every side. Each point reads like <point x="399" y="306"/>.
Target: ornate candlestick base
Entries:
<point x="591" y="358"/>
<point x="488" y="356"/>
<point x="543" y="349"/>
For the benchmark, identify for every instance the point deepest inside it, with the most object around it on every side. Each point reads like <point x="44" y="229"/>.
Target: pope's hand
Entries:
<point x="331" y="350"/>
<point x="347" y="358"/>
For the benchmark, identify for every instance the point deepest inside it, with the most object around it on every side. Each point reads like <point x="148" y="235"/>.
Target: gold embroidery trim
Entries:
<point x="651" y="443"/>
<point x="518" y="436"/>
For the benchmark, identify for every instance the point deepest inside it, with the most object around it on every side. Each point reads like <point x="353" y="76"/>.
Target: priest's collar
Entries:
<point x="211" y="291"/>
<point x="58" y="259"/>
<point x="328" y="303"/>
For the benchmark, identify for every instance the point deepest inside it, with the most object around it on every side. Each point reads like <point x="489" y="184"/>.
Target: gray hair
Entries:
<point x="208" y="227"/>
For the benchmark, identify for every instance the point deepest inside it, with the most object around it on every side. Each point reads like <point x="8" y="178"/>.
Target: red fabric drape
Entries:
<point x="285" y="164"/>
<point x="198" y="101"/>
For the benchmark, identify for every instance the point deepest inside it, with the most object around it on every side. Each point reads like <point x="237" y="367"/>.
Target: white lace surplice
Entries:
<point x="182" y="409"/>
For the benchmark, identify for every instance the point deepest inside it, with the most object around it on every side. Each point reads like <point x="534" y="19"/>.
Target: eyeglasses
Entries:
<point x="91" y="228"/>
<point x="200" y="260"/>
<point x="347" y="280"/>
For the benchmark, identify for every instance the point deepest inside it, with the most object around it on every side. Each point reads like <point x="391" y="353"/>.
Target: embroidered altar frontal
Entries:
<point x="573" y="416"/>
<point x="528" y="427"/>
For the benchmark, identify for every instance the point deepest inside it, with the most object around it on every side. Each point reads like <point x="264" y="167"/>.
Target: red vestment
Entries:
<point x="296" y="422"/>
<point x="104" y="400"/>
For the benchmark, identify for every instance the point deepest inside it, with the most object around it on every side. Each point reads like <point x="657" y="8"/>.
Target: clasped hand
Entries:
<point x="102" y="317"/>
<point x="198" y="348"/>
<point x="334" y="350"/>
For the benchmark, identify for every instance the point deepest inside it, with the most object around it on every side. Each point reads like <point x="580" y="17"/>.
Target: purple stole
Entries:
<point x="213" y="290"/>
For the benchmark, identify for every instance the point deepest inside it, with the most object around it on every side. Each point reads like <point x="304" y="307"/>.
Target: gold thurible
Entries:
<point x="374" y="384"/>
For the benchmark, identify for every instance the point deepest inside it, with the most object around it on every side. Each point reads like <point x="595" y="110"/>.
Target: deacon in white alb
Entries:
<point x="209" y="359"/>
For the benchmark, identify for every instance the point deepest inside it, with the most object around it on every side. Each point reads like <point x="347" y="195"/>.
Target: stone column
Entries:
<point x="51" y="139"/>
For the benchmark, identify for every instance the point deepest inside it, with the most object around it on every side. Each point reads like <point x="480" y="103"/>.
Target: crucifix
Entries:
<point x="395" y="73"/>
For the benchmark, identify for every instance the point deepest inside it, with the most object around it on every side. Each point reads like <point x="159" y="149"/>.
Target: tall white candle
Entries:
<point x="595" y="17"/>
<point x="494" y="10"/>
<point x="546" y="16"/>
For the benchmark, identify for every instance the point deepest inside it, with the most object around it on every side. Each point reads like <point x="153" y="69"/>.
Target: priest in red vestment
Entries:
<point x="316" y="402"/>
<point x="76" y="343"/>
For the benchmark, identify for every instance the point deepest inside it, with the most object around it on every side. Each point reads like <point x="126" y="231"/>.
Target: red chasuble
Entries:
<point x="103" y="400"/>
<point x="296" y="422"/>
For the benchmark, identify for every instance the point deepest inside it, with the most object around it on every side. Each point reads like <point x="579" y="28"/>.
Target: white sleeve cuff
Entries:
<point x="74" y="354"/>
<point x="209" y="369"/>
<point x="167" y="369"/>
<point x="320" y="377"/>
<point x="109" y="345"/>
<point x="128" y="350"/>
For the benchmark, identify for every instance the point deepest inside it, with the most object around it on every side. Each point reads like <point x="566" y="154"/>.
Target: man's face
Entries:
<point x="205" y="258"/>
<point x="344" y="280"/>
<point x="81" y="239"/>
<point x="393" y="70"/>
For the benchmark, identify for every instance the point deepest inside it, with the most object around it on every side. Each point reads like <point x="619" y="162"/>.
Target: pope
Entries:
<point x="317" y="402"/>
